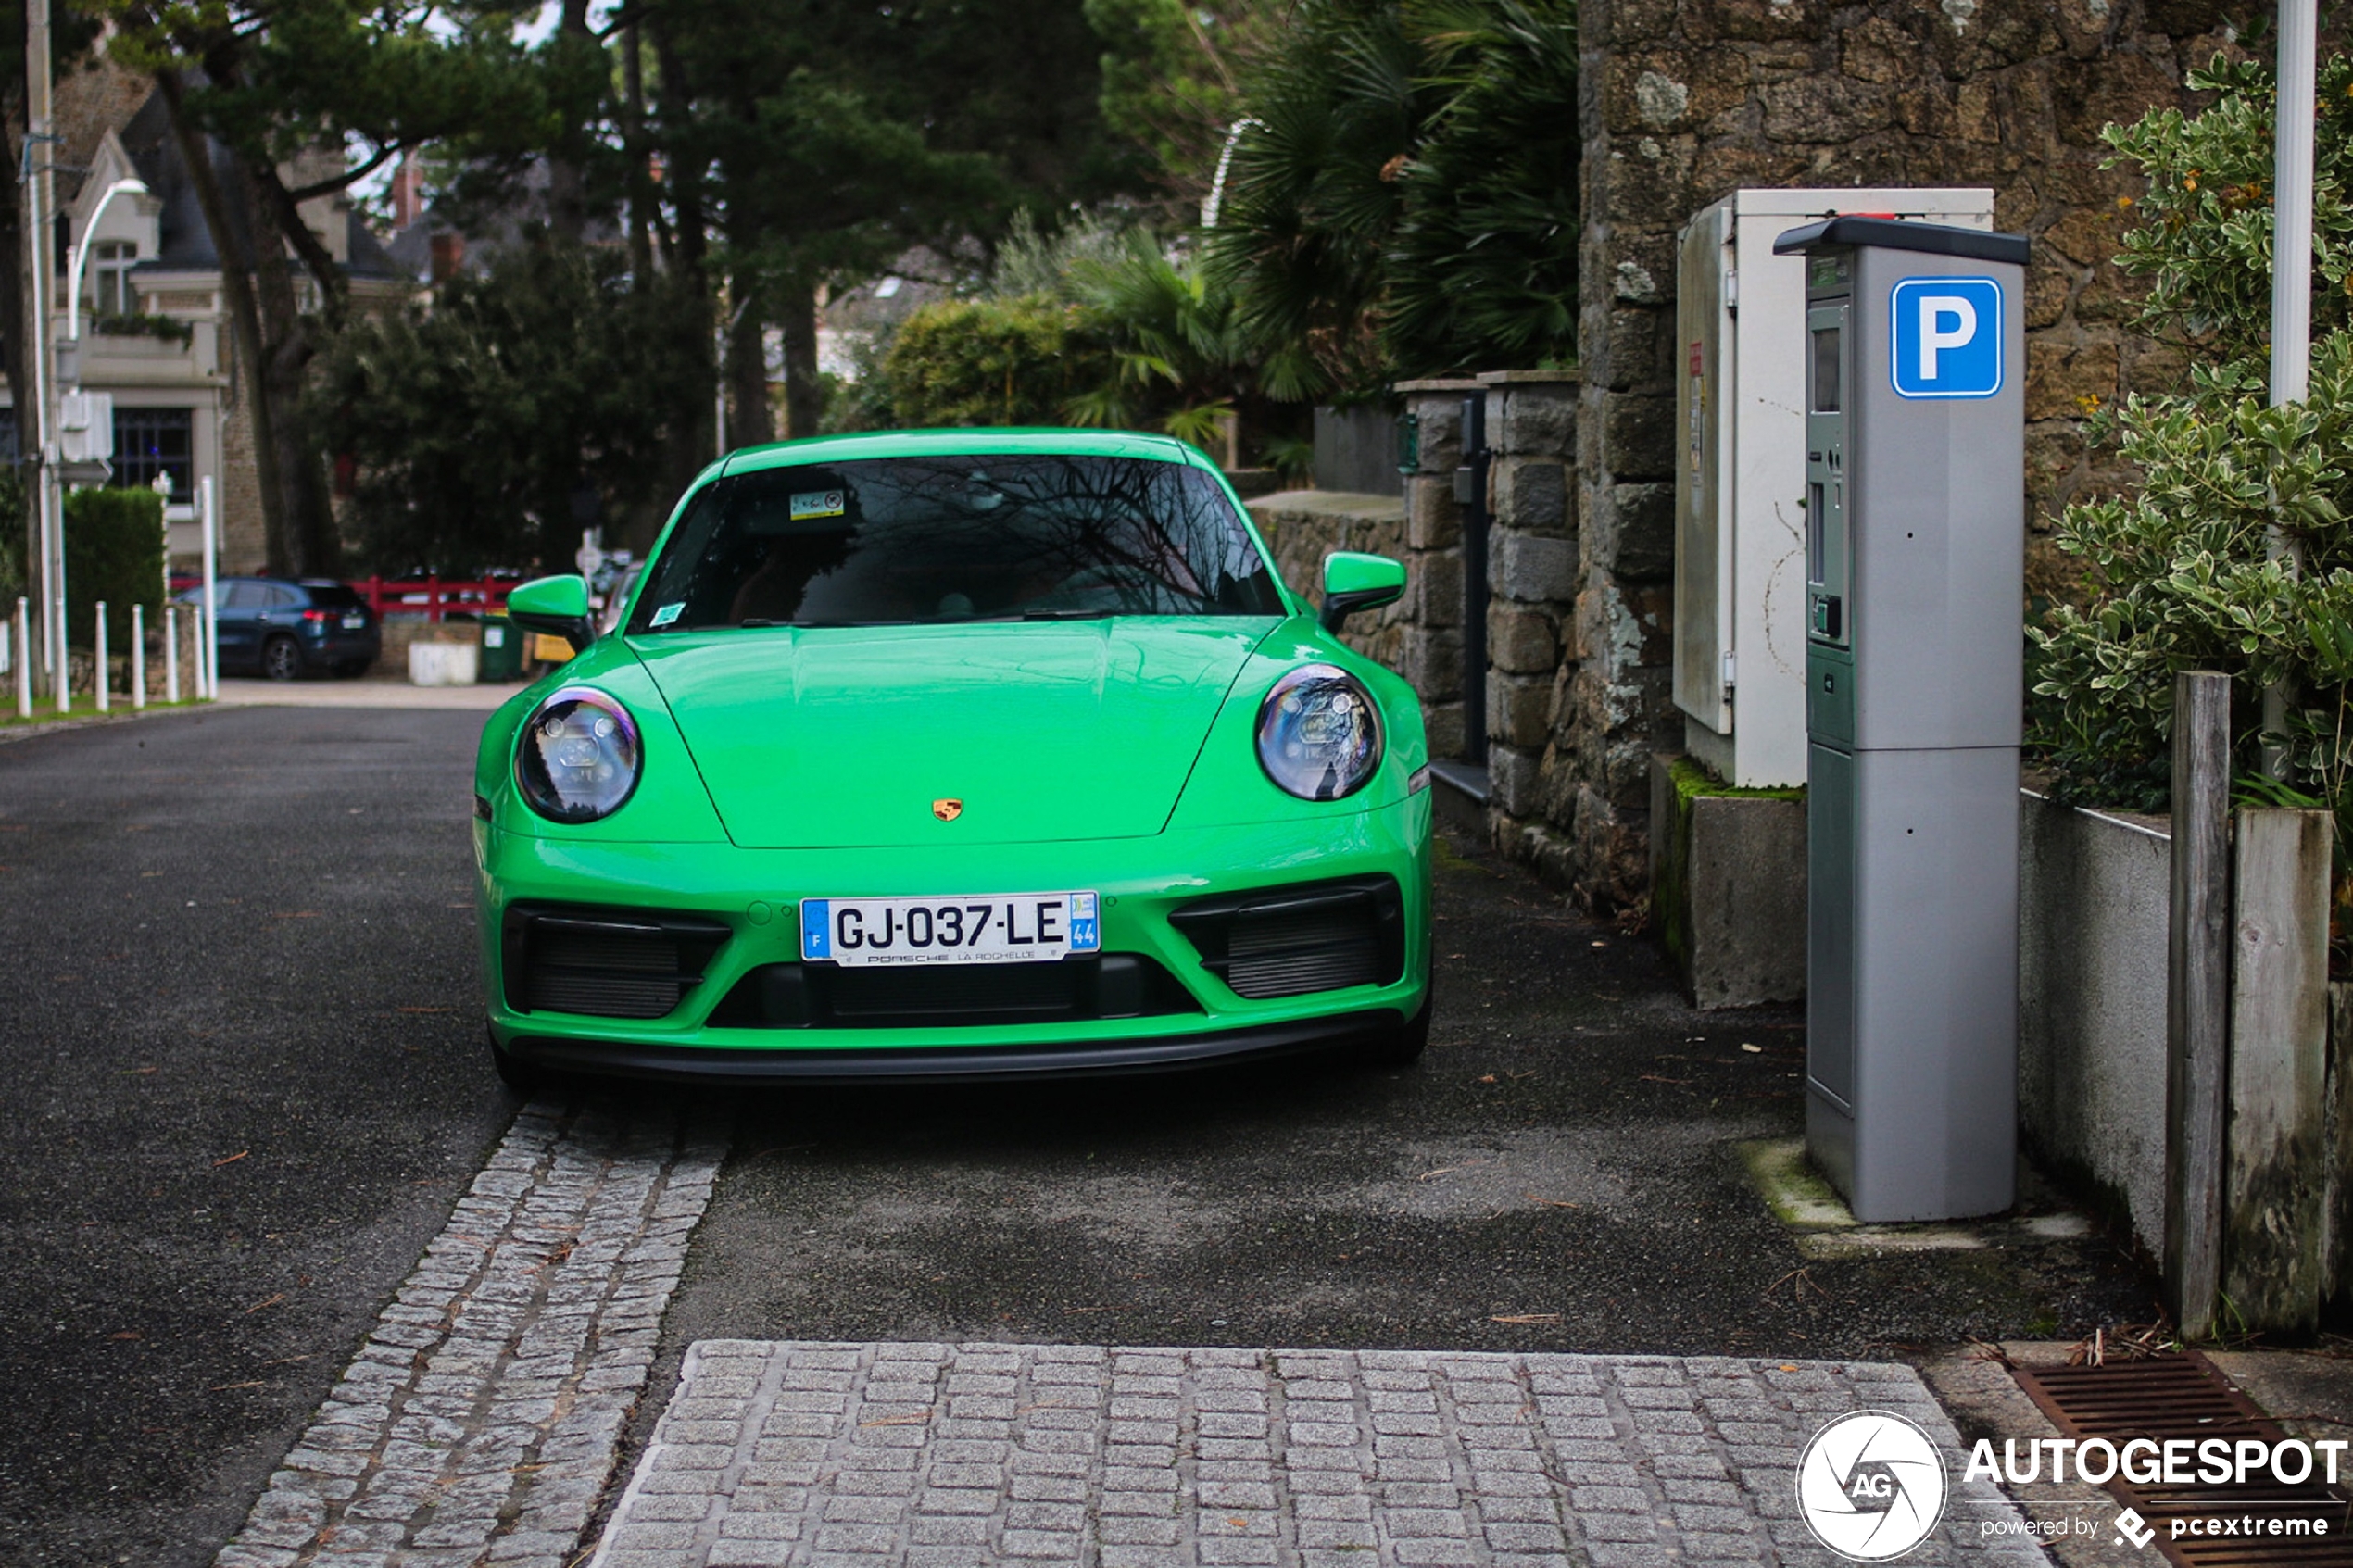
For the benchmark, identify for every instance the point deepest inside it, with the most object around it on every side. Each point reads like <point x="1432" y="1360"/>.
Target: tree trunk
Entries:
<point x="693" y="441"/>
<point x="751" y="421"/>
<point x="247" y="360"/>
<point x="804" y="400"/>
<point x="640" y="185"/>
<point x="13" y="363"/>
<point x="567" y="184"/>
<point x="312" y="545"/>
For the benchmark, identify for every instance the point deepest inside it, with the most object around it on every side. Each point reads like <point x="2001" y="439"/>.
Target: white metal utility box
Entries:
<point x="1740" y="480"/>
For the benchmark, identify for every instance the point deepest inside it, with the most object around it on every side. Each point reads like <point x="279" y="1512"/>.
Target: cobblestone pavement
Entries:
<point x="481" y="1419"/>
<point x="808" y="1455"/>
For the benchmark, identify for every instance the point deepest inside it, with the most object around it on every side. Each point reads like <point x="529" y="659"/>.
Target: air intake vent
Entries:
<point x="791" y="995"/>
<point x="604" y="963"/>
<point x="1292" y="941"/>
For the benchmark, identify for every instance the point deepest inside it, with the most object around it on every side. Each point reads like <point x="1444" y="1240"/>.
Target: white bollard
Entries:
<point x="170" y="653"/>
<point x="208" y="633"/>
<point x="25" y="665"/>
<point x="99" y="679"/>
<point x="138" y="656"/>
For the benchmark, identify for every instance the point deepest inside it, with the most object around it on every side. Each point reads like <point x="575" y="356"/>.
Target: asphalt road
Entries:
<point x="243" y="1085"/>
<point x="1562" y="1172"/>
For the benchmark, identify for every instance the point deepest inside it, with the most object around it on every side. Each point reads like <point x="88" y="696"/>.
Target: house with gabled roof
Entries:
<point x="155" y="340"/>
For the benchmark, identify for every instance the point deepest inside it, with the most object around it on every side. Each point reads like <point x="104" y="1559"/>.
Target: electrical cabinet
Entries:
<point x="1739" y="479"/>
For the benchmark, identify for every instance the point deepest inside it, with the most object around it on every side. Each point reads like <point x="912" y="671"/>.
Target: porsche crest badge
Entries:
<point x="948" y="810"/>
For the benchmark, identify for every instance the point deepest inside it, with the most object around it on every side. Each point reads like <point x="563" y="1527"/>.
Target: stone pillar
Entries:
<point x="1532" y="577"/>
<point x="1433" y="649"/>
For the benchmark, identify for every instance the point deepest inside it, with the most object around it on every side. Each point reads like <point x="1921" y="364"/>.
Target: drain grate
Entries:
<point x="2182" y="1397"/>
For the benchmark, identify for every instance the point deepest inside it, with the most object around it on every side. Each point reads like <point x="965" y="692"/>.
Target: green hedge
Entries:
<point x="115" y="552"/>
<point x="992" y="362"/>
<point x="12" y="539"/>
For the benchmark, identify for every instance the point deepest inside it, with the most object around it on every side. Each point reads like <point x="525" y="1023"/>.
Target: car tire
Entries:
<point x="1405" y="1046"/>
<point x="520" y="1077"/>
<point x="280" y="659"/>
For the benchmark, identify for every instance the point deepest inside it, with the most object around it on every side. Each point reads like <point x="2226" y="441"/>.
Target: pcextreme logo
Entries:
<point x="1871" y="1485"/>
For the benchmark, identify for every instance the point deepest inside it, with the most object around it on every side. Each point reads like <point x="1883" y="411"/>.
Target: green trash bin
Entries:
<point x="501" y="649"/>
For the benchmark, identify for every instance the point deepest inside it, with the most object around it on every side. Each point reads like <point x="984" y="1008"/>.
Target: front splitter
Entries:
<point x="961" y="1064"/>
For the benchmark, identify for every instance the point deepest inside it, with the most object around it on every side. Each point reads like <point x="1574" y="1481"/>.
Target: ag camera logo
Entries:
<point x="1946" y="337"/>
<point x="1871" y="1485"/>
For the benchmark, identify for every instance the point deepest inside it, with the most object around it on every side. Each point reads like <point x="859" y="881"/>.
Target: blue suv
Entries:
<point x="285" y="630"/>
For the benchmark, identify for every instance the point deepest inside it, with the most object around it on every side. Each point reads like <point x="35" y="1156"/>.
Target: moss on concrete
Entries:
<point x="1670" y="895"/>
<point x="1792" y="1188"/>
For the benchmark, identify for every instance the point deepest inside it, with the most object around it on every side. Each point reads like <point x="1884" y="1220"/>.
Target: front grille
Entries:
<point x="856" y="995"/>
<point x="1293" y="941"/>
<point x="604" y="963"/>
<point x="789" y="995"/>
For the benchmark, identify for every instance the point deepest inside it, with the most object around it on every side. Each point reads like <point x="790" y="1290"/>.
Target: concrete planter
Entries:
<point x="1728" y="885"/>
<point x="444" y="664"/>
<point x="2092" y="898"/>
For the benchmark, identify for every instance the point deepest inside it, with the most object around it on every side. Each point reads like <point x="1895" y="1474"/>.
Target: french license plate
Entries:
<point x="977" y="928"/>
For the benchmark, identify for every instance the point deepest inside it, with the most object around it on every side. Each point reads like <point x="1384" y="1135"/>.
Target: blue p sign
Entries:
<point x="1947" y="337"/>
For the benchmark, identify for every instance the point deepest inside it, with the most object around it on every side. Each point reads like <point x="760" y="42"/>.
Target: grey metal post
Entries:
<point x="2198" y="1000"/>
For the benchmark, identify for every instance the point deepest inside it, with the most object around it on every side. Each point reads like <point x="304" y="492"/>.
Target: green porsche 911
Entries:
<point x="955" y="753"/>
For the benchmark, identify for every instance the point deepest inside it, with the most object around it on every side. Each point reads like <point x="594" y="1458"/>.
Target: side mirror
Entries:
<point x="557" y="606"/>
<point x="1353" y="581"/>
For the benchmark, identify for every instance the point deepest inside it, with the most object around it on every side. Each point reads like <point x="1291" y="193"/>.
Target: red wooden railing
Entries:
<point x="433" y="597"/>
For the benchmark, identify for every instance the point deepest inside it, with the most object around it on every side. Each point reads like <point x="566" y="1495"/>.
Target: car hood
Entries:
<point x="826" y="737"/>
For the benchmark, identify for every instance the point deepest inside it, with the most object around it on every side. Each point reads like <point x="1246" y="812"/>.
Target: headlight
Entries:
<point x="578" y="757"/>
<point x="1319" y="734"/>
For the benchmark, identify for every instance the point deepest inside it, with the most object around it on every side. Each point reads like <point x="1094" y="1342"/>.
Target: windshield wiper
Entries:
<point x="1069" y="614"/>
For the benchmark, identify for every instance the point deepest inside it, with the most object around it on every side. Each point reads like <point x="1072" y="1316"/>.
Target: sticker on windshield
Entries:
<point x="667" y="614"/>
<point x="817" y="503"/>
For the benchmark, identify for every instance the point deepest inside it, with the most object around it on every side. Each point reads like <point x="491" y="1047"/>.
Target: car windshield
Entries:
<point x="333" y="595"/>
<point x="904" y="541"/>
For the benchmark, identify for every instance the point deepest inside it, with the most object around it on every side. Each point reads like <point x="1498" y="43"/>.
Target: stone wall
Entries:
<point x="1434" y="597"/>
<point x="1688" y="99"/>
<point x="1532" y="579"/>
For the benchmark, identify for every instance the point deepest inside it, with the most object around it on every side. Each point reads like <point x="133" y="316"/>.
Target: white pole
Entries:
<point x="24" y="666"/>
<point x="2291" y="205"/>
<point x="208" y="629"/>
<point x="2291" y="284"/>
<point x="138" y="656"/>
<point x="40" y="267"/>
<point x="170" y="653"/>
<point x="100" y="678"/>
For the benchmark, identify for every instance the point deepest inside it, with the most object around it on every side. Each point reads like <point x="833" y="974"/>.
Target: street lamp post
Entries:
<point x="68" y="356"/>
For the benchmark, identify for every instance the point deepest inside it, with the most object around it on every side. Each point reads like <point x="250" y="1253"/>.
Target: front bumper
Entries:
<point x="753" y="895"/>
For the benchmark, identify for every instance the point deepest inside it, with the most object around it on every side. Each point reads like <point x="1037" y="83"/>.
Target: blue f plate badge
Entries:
<point x="1946" y="335"/>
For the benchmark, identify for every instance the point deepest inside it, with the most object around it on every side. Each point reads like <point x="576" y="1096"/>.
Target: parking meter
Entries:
<point x="1914" y="526"/>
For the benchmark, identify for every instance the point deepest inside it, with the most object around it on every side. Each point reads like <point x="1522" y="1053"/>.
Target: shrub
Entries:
<point x="114" y="552"/>
<point x="993" y="362"/>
